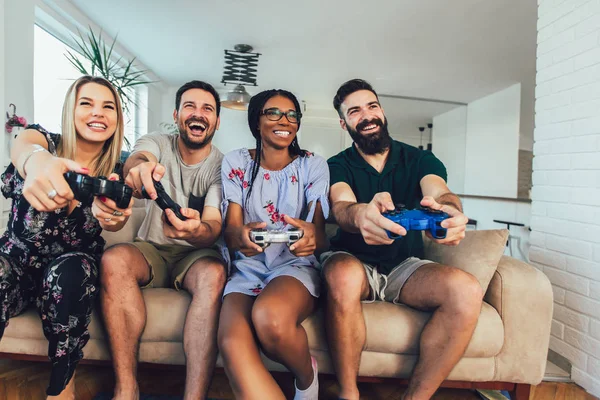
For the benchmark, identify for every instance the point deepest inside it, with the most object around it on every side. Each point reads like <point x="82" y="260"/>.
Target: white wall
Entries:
<point x="233" y="133"/>
<point x="566" y="180"/>
<point x="18" y="48"/>
<point x="323" y="135"/>
<point x="492" y="145"/>
<point x="449" y="139"/>
<point x="479" y="143"/>
<point x="17" y="76"/>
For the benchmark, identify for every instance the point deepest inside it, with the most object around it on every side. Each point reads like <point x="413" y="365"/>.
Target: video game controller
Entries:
<point x="420" y="219"/>
<point x="85" y="187"/>
<point x="264" y="237"/>
<point x="164" y="201"/>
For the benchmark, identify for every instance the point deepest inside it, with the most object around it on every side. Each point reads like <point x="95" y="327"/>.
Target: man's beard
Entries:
<point x="374" y="143"/>
<point x="188" y="141"/>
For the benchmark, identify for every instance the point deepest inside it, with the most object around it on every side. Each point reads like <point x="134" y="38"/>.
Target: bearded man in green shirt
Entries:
<point x="371" y="177"/>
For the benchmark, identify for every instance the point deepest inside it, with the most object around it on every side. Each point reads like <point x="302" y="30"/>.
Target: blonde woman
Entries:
<point x="51" y="248"/>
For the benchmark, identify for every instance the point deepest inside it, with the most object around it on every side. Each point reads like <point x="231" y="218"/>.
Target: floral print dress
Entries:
<point x="50" y="259"/>
<point x="303" y="182"/>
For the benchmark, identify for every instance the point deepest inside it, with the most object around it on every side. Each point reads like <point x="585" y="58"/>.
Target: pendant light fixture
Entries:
<point x="240" y="70"/>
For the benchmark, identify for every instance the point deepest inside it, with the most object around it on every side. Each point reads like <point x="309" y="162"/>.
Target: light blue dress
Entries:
<point x="290" y="191"/>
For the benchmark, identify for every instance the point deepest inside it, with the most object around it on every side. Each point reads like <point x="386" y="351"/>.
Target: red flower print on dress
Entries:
<point x="270" y="207"/>
<point x="257" y="289"/>
<point x="274" y="214"/>
<point x="275" y="217"/>
<point x="245" y="184"/>
<point x="309" y="154"/>
<point x="309" y="185"/>
<point x="267" y="176"/>
<point x="236" y="172"/>
<point x="294" y="179"/>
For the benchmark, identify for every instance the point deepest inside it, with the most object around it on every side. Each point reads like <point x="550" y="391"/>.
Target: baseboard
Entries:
<point x="560" y="361"/>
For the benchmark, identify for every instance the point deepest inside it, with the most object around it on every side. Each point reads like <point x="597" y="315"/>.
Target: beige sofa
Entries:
<point x="508" y="349"/>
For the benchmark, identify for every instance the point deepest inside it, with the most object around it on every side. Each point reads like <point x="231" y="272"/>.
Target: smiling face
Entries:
<point x="95" y="113"/>
<point x="197" y="118"/>
<point x="277" y="134"/>
<point x="365" y="121"/>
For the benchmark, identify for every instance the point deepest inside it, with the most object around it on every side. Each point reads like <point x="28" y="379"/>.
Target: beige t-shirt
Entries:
<point x="193" y="186"/>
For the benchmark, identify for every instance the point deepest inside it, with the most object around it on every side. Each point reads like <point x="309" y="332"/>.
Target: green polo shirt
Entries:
<point x="401" y="177"/>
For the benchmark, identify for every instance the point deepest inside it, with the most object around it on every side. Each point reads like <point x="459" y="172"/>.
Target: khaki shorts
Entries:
<point x="170" y="262"/>
<point x="384" y="287"/>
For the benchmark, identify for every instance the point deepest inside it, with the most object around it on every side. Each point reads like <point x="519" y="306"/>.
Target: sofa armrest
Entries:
<point x="522" y="295"/>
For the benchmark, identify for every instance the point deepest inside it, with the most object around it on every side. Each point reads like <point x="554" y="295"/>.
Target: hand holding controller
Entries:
<point x="264" y="237"/>
<point x="164" y="201"/>
<point x="418" y="220"/>
<point x="85" y="187"/>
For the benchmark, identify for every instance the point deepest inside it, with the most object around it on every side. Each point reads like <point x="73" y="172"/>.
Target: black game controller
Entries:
<point x="164" y="201"/>
<point x="85" y="187"/>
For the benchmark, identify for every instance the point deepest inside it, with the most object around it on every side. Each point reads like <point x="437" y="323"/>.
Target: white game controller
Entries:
<point x="264" y="237"/>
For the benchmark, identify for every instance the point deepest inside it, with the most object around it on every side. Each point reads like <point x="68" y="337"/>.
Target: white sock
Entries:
<point x="311" y="392"/>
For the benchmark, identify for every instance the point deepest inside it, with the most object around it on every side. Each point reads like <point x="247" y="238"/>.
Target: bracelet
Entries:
<point x="28" y="156"/>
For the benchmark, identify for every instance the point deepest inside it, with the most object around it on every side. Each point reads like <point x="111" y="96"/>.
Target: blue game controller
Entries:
<point x="422" y="219"/>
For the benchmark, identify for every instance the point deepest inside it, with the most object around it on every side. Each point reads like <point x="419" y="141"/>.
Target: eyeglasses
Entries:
<point x="275" y="114"/>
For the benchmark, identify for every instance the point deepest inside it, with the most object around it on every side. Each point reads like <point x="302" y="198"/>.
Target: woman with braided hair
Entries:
<point x="271" y="290"/>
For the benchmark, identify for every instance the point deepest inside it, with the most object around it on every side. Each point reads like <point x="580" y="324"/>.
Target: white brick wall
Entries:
<point x="565" y="237"/>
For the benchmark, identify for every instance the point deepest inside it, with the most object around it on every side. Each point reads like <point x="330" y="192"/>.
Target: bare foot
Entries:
<point x="68" y="392"/>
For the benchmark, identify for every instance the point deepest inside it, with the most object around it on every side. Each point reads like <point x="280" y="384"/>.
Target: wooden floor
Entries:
<point x="27" y="380"/>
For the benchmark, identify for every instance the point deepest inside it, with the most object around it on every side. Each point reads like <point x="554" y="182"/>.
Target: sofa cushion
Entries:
<point x="396" y="329"/>
<point x="390" y="328"/>
<point x="478" y="253"/>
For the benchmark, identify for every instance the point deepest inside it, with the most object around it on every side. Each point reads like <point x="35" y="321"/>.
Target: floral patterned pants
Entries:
<point x="64" y="292"/>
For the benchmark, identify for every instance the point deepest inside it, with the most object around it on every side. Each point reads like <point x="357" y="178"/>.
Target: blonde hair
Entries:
<point x="67" y="148"/>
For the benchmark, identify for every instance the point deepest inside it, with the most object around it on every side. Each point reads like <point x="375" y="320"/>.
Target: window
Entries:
<point x="53" y="74"/>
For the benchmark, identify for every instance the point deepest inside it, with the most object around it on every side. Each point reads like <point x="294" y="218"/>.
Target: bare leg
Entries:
<point x="277" y="316"/>
<point x="122" y="270"/>
<point x="204" y="281"/>
<point x="347" y="285"/>
<point x="248" y="377"/>
<point x="456" y="297"/>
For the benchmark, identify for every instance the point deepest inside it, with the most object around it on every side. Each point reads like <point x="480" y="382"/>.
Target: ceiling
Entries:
<point x="439" y="49"/>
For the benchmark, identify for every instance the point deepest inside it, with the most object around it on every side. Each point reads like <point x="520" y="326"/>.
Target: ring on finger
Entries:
<point x="117" y="213"/>
<point x="52" y="194"/>
<point x="108" y="219"/>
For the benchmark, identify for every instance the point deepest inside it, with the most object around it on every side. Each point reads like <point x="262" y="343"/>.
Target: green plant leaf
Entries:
<point x="76" y="63"/>
<point x="120" y="73"/>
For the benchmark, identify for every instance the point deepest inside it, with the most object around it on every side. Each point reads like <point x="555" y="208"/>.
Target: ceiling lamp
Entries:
<point x="240" y="69"/>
